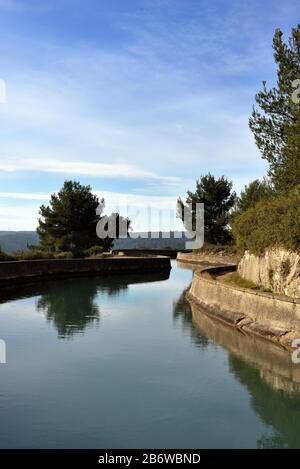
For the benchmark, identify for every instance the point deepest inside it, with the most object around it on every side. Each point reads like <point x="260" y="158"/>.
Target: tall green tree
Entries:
<point x="275" y="116"/>
<point x="68" y="223"/>
<point x="287" y="174"/>
<point x="218" y="199"/>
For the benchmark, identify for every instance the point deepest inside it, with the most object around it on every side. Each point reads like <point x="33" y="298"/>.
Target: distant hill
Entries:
<point x="176" y="241"/>
<point x="19" y="240"/>
<point x="14" y="240"/>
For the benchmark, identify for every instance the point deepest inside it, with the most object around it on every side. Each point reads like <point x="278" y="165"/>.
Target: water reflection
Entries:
<point x="144" y="377"/>
<point x="182" y="311"/>
<point x="266" y="370"/>
<point x="71" y="305"/>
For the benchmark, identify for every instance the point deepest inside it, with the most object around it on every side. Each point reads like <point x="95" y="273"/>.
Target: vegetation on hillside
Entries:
<point x="251" y="194"/>
<point x="267" y="213"/>
<point x="271" y="222"/>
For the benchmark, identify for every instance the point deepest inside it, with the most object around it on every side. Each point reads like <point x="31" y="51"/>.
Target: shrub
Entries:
<point x="236" y="279"/>
<point x="94" y="251"/>
<point x="5" y="257"/>
<point x="241" y="282"/>
<point x="32" y="254"/>
<point x="209" y="248"/>
<point x="274" y="222"/>
<point x="64" y="255"/>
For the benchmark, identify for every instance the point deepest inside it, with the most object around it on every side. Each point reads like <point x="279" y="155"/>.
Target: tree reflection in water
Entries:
<point x="71" y="304"/>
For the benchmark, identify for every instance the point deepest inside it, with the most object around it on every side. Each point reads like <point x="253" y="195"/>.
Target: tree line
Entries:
<point x="267" y="212"/>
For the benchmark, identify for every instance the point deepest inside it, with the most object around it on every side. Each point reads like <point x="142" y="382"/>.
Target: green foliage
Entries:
<point x="32" y="254"/>
<point x="94" y="251"/>
<point x="275" y="124"/>
<point x="64" y="255"/>
<point x="241" y="282"/>
<point x="69" y="222"/>
<point x="271" y="222"/>
<point x="287" y="173"/>
<point x="5" y="257"/>
<point x="208" y="248"/>
<point x="218" y="199"/>
<point x="252" y="193"/>
<point x="236" y="279"/>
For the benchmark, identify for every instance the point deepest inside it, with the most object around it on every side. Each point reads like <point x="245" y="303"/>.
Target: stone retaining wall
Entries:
<point x="278" y="269"/>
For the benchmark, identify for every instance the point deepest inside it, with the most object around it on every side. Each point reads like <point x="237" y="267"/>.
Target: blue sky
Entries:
<point x="138" y="98"/>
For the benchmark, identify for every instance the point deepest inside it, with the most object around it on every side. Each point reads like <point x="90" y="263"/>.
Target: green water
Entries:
<point x="124" y="362"/>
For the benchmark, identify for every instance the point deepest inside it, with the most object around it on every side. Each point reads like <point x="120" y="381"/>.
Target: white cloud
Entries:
<point x="154" y="108"/>
<point x="24" y="195"/>
<point x="18" y="218"/>
<point x="111" y="198"/>
<point x="113" y="170"/>
<point x="137" y="200"/>
<point x="163" y="210"/>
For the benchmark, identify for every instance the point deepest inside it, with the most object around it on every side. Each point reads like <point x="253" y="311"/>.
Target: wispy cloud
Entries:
<point x="118" y="171"/>
<point x="24" y="195"/>
<point x="24" y="213"/>
<point x="111" y="198"/>
<point x="148" y="96"/>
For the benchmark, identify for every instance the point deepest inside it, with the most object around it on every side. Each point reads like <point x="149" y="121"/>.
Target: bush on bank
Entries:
<point x="273" y="222"/>
<point x="36" y="253"/>
<point x="224" y="249"/>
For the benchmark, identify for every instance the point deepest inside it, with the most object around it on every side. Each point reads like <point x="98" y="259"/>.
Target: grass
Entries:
<point x="235" y="279"/>
<point x="227" y="249"/>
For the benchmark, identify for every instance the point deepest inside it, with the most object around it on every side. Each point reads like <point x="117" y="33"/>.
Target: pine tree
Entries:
<point x="275" y="118"/>
<point x="218" y="199"/>
<point x="68" y="223"/>
<point x="287" y="174"/>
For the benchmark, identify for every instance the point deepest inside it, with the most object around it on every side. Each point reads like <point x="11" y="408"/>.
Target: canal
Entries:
<point x="125" y="362"/>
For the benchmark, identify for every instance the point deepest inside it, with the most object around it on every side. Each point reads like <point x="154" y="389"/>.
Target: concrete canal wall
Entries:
<point x="14" y="272"/>
<point x="207" y="258"/>
<point x="273" y="317"/>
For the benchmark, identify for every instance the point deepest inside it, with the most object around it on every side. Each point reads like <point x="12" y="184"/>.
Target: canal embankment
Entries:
<point x="15" y="272"/>
<point x="273" y="317"/>
<point x="207" y="258"/>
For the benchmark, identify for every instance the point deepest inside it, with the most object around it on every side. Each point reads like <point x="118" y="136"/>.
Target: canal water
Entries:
<point x="125" y="362"/>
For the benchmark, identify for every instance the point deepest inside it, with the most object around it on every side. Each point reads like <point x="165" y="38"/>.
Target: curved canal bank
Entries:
<point x="15" y="272"/>
<point x="273" y="317"/>
<point x="207" y="258"/>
